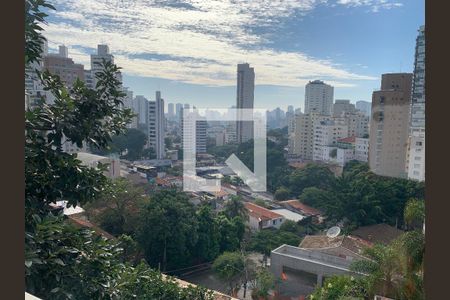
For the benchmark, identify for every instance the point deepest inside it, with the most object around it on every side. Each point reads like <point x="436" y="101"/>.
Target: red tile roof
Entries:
<point x="308" y="210"/>
<point x="350" y="139"/>
<point x="261" y="212"/>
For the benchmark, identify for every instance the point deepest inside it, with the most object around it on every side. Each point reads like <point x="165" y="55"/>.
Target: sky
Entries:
<point x="189" y="49"/>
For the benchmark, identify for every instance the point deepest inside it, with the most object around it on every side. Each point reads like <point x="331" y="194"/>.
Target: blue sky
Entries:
<point x="189" y="49"/>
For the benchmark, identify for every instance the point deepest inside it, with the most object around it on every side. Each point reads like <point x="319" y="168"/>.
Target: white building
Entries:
<point x="97" y="60"/>
<point x="156" y="126"/>
<point x="416" y="156"/>
<point x="245" y="99"/>
<point x="362" y="149"/>
<point x="326" y="134"/>
<point x="92" y="160"/>
<point x="260" y="217"/>
<point x="415" y="167"/>
<point x="319" y="98"/>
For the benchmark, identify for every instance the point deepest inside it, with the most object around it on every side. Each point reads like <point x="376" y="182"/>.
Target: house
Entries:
<point x="303" y="209"/>
<point x="260" y="217"/>
<point x="93" y="161"/>
<point x="378" y="233"/>
<point x="289" y="215"/>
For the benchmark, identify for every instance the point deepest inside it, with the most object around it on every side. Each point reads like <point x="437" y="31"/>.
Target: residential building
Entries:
<point x="364" y="106"/>
<point x="141" y="107"/>
<point x="319" y="98"/>
<point x="362" y="149"/>
<point x="302" y="141"/>
<point x="245" y="99"/>
<point x="415" y="164"/>
<point x="260" y="217"/>
<point x="91" y="160"/>
<point x="156" y="125"/>
<point x="178" y="110"/>
<point x="63" y="66"/>
<point x="103" y="54"/>
<point x="170" y="111"/>
<point x="342" y="106"/>
<point x="415" y="167"/>
<point x="389" y="125"/>
<point x="357" y="123"/>
<point x="326" y="135"/>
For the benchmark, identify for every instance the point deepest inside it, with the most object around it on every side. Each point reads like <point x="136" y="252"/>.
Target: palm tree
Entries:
<point x="234" y="207"/>
<point x="382" y="269"/>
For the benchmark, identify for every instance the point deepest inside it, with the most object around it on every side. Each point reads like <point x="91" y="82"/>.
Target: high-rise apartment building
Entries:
<point x="326" y="134"/>
<point x="302" y="143"/>
<point x="415" y="167"/>
<point x="156" y="125"/>
<point x="389" y="125"/>
<point x="178" y="110"/>
<point x="342" y="106"/>
<point x="364" y="106"/>
<point x="140" y="107"/>
<point x="63" y="66"/>
<point x="171" y="111"/>
<point x="245" y="99"/>
<point x="319" y="98"/>
<point x="103" y="54"/>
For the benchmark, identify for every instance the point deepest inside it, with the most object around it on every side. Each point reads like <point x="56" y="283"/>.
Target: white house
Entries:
<point x="260" y="217"/>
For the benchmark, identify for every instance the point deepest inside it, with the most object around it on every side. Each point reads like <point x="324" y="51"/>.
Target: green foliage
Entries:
<point x="281" y="194"/>
<point x="61" y="261"/>
<point x="264" y="282"/>
<point x="265" y="240"/>
<point x="168" y="230"/>
<point x="341" y="288"/>
<point x="132" y="141"/>
<point x="231" y="232"/>
<point x="208" y="244"/>
<point x="115" y="210"/>
<point x="292" y="226"/>
<point x="234" y="207"/>
<point x="312" y="175"/>
<point x="230" y="267"/>
<point x="414" y="214"/>
<point x="34" y="39"/>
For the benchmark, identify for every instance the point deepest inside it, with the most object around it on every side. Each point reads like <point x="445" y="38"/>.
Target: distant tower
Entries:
<point x="245" y="99"/>
<point x="319" y="98"/>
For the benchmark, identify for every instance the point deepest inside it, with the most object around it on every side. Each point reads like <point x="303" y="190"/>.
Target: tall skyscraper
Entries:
<point x="319" y="98"/>
<point x="140" y="107"/>
<point x="178" y="110"/>
<point x="364" y="106"/>
<point x="416" y="146"/>
<point x="245" y="99"/>
<point x="156" y="125"/>
<point x="171" y="111"/>
<point x="389" y="126"/>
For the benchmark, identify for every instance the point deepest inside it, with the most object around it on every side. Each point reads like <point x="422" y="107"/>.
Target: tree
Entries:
<point x="62" y="261"/>
<point x="230" y="267"/>
<point x="312" y="175"/>
<point x="341" y="288"/>
<point x="265" y="240"/>
<point x="382" y="269"/>
<point x="264" y="282"/>
<point x="230" y="232"/>
<point x="234" y="207"/>
<point x="168" y="230"/>
<point x="208" y="244"/>
<point x="281" y="194"/>
<point x="116" y="209"/>
<point x="293" y="227"/>
<point x="414" y="214"/>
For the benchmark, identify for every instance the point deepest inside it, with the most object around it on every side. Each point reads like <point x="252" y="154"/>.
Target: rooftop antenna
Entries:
<point x="333" y="232"/>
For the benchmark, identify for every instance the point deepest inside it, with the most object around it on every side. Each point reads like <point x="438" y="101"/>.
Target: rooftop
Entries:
<point x="323" y="242"/>
<point x="350" y="139"/>
<point x="378" y="233"/>
<point x="261" y="212"/>
<point x="289" y="215"/>
<point x="307" y="210"/>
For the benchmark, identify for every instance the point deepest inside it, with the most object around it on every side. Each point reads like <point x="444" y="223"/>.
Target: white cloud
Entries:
<point x="195" y="41"/>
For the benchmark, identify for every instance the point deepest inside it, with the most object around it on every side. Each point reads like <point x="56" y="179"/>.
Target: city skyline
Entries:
<point x="301" y="41"/>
